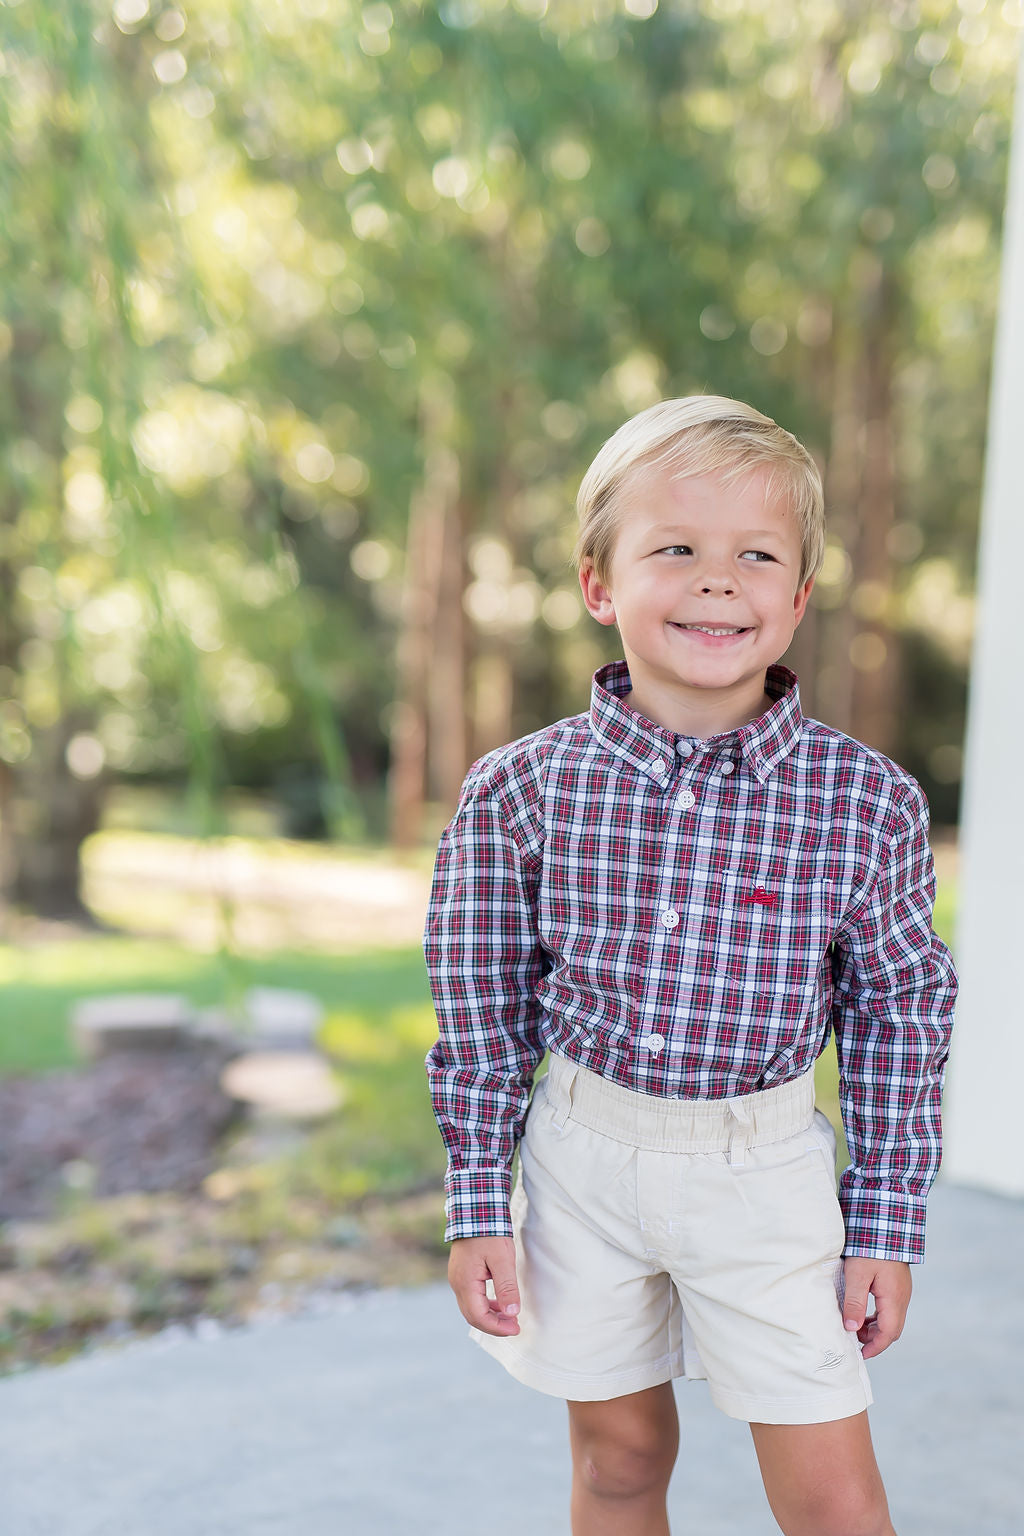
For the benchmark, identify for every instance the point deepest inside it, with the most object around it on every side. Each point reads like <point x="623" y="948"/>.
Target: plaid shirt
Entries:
<point x="690" y="918"/>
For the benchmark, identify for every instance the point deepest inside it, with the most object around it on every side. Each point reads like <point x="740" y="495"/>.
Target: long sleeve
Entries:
<point x="484" y="961"/>
<point x="894" y="990"/>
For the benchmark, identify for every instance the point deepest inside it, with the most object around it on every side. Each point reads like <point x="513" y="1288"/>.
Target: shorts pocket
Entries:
<point x="836" y="1271"/>
<point x="823" y="1139"/>
<point x="822" y="1144"/>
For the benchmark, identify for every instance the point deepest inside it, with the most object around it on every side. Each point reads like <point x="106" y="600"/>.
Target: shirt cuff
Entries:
<point x="882" y="1223"/>
<point x="476" y="1202"/>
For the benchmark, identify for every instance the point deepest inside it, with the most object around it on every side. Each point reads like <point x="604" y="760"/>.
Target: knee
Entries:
<point x="841" y="1510"/>
<point x="613" y="1469"/>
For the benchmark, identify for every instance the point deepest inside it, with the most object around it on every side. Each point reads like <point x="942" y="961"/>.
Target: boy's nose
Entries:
<point x="713" y="573"/>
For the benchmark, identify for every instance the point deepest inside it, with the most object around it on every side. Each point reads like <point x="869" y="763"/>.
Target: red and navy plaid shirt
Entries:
<point x="690" y="918"/>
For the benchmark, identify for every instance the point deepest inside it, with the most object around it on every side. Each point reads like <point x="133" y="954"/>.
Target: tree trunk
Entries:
<point x="48" y="813"/>
<point x="805" y="654"/>
<point x="842" y="496"/>
<point x="493" y="683"/>
<point x="858" y="681"/>
<point x="429" y="512"/>
<point x="493" y="672"/>
<point x="448" y="726"/>
<point x="8" y="846"/>
<point x="802" y="656"/>
<point x="875" y="655"/>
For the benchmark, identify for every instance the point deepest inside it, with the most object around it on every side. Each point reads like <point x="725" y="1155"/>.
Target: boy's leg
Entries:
<point x="623" y="1452"/>
<point x="822" y="1479"/>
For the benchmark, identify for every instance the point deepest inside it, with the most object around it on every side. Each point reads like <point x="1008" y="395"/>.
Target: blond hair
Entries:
<point x="698" y="435"/>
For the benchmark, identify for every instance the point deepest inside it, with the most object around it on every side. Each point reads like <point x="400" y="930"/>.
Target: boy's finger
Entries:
<point x="506" y="1290"/>
<point x="470" y="1267"/>
<point x="479" y="1310"/>
<point x="874" y="1338"/>
<point x="855" y="1306"/>
<point x="887" y="1325"/>
<point x="474" y="1304"/>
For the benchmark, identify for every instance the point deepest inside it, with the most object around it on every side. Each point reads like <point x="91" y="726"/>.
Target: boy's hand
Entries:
<point x="890" y="1284"/>
<point x="472" y="1262"/>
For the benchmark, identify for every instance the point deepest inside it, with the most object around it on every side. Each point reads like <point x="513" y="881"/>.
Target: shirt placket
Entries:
<point x="681" y="788"/>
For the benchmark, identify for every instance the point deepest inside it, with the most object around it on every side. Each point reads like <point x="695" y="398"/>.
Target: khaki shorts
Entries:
<point x="658" y="1238"/>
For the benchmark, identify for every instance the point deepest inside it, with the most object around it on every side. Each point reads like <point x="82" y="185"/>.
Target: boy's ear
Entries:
<point x="598" y="597"/>
<point x="800" y="600"/>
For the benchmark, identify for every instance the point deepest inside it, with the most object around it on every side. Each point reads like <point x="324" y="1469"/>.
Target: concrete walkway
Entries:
<point x="379" y="1418"/>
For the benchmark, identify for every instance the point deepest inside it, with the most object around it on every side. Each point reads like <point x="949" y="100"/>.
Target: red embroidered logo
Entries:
<point x="758" y="897"/>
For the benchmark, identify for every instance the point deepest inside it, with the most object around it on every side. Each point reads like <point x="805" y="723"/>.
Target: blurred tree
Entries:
<point x="505" y="194"/>
<point x="315" y="313"/>
<point x="111" y="591"/>
<point x="66" y="236"/>
<point x="876" y="141"/>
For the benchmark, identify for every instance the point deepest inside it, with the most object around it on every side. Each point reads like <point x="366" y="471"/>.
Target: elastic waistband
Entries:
<point x="679" y="1125"/>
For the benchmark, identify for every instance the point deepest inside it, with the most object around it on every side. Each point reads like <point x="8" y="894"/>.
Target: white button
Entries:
<point x="684" y="748"/>
<point x="670" y="917"/>
<point x="728" y="766"/>
<point x="653" y="1043"/>
<point x="687" y="800"/>
<point x="658" y="765"/>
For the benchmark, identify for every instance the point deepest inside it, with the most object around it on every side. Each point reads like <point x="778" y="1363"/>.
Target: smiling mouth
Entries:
<point x="714" y="629"/>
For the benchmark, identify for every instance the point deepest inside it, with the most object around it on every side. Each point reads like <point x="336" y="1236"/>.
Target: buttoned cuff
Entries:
<point x="882" y="1223"/>
<point x="476" y="1202"/>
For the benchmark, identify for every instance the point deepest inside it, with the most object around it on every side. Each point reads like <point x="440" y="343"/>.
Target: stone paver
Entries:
<point x="379" y="1418"/>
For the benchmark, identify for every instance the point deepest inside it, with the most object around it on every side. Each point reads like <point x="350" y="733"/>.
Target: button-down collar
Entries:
<point x="761" y="744"/>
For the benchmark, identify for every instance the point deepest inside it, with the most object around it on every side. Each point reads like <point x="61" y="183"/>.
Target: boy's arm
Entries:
<point x="485" y="961"/>
<point x="894" y="990"/>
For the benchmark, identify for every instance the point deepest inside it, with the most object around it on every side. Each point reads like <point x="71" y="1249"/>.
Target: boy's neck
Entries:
<point x="699" y="713"/>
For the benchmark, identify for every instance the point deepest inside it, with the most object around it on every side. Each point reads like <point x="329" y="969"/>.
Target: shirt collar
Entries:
<point x="762" y="743"/>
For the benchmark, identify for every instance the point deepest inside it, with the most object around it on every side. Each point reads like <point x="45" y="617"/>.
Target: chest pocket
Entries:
<point x="771" y="936"/>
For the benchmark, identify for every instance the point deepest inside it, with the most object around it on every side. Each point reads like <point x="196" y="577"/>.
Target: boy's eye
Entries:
<point x="758" y="555"/>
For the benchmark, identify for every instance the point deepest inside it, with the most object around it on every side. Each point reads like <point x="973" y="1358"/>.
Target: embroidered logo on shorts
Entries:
<point x="830" y="1360"/>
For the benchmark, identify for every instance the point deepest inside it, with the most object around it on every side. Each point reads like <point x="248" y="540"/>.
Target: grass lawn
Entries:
<point x="379" y="1025"/>
<point x="39" y="985"/>
<point x="355" y="1199"/>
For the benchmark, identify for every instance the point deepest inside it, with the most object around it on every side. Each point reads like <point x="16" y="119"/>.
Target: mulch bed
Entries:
<point x="144" y="1120"/>
<point x="125" y="1208"/>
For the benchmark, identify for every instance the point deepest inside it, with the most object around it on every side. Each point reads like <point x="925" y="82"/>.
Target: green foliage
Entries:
<point x="243" y="246"/>
<point x="339" y="1208"/>
<point x="382" y="990"/>
<point x="354" y="1200"/>
<point x="384" y="1139"/>
<point x="40" y="984"/>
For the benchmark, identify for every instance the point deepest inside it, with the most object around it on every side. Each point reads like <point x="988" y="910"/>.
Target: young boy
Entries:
<point x="679" y="895"/>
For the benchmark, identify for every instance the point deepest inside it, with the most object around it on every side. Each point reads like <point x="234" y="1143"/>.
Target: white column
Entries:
<point x="984" y="1120"/>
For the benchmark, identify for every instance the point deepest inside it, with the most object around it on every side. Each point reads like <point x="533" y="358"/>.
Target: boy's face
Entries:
<point x="692" y="552"/>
